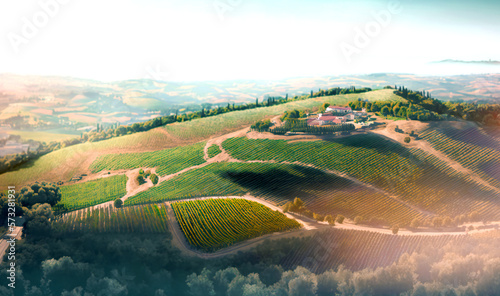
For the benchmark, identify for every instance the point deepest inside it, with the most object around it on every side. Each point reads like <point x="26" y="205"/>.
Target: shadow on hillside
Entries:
<point x="286" y="183"/>
<point x="372" y="142"/>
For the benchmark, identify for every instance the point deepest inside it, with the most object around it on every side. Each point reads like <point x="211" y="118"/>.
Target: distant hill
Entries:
<point x="51" y="101"/>
<point x="489" y="62"/>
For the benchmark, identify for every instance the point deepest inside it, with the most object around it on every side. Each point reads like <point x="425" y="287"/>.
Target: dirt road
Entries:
<point x="309" y="227"/>
<point x="181" y="242"/>
<point x="390" y="133"/>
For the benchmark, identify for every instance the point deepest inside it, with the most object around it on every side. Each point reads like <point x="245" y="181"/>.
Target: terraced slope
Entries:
<point x="213" y="224"/>
<point x="138" y="219"/>
<point x="82" y="195"/>
<point x="373" y="159"/>
<point x="167" y="161"/>
<point x="471" y="148"/>
<point x="322" y="192"/>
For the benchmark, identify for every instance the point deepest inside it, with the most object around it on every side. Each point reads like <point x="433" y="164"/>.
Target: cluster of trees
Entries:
<point x="397" y="109"/>
<point x="30" y="197"/>
<point x="339" y="91"/>
<point x="412" y="275"/>
<point x="487" y="114"/>
<point x="143" y="175"/>
<point x="446" y="221"/>
<point x="293" y="114"/>
<point x="298" y="206"/>
<point x="261" y="125"/>
<point x="316" y="130"/>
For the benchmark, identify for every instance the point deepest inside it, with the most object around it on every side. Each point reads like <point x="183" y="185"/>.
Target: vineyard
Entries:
<point x="213" y="224"/>
<point x="472" y="149"/>
<point x="418" y="179"/>
<point x="332" y="248"/>
<point x="213" y="150"/>
<point x="168" y="161"/>
<point x="278" y="183"/>
<point x="138" y="219"/>
<point x="82" y="195"/>
<point x="46" y="168"/>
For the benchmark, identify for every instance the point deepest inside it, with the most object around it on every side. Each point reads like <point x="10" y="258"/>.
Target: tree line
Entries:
<point x="486" y="114"/>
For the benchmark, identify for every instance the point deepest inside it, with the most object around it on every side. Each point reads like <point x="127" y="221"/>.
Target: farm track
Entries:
<point x="389" y="133"/>
<point x="309" y="226"/>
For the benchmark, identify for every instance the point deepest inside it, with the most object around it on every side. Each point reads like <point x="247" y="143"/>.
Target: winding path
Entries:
<point x="309" y="226"/>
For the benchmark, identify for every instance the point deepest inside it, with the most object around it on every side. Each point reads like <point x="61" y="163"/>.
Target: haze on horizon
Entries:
<point x="239" y="39"/>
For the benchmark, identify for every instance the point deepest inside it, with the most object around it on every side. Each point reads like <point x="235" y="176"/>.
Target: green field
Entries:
<point x="139" y="219"/>
<point x="213" y="151"/>
<point x="375" y="160"/>
<point x="82" y="195"/>
<point x="167" y="161"/>
<point x="279" y="183"/>
<point x="213" y="224"/>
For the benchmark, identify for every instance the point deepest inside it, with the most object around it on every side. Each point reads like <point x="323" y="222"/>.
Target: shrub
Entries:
<point x="330" y="220"/>
<point x="154" y="178"/>
<point x="407" y="140"/>
<point x="308" y="214"/>
<point x="437" y="222"/>
<point x="375" y="221"/>
<point x="358" y="220"/>
<point x="395" y="229"/>
<point x="474" y="216"/>
<point x="118" y="203"/>
<point x="340" y="219"/>
<point x="319" y="217"/>
<point x="141" y="172"/>
<point x="140" y="179"/>
<point x="147" y="173"/>
<point x="447" y="222"/>
<point x="415" y="223"/>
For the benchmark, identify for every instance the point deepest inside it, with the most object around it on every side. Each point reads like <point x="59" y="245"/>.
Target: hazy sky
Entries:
<point x="242" y="39"/>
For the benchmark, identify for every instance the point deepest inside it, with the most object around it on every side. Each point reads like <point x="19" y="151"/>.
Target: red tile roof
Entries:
<point x="313" y="122"/>
<point x="328" y="118"/>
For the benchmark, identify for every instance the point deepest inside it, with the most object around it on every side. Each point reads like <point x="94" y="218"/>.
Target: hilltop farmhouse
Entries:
<point x="336" y="115"/>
